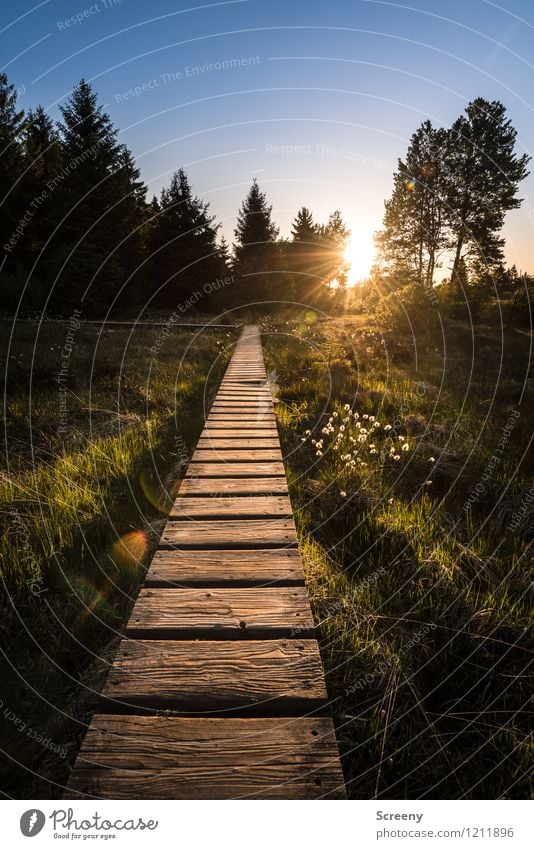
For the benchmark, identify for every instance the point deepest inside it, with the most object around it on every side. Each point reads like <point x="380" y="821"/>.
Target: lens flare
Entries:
<point x="129" y="551"/>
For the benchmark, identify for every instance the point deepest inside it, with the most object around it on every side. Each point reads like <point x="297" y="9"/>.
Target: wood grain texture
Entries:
<point x="228" y="567"/>
<point x="234" y="470"/>
<point x="233" y="486"/>
<point x="254" y="429"/>
<point x="236" y="422"/>
<point x="241" y="418"/>
<point x="193" y="677"/>
<point x="238" y="441"/>
<point x="229" y="533"/>
<point x="244" y="434"/>
<point x="237" y="403"/>
<point x="243" y="395"/>
<point x="221" y="614"/>
<point x="144" y="757"/>
<point x="237" y="455"/>
<point x="253" y="507"/>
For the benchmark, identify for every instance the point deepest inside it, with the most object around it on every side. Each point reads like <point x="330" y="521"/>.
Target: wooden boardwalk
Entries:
<point x="217" y="690"/>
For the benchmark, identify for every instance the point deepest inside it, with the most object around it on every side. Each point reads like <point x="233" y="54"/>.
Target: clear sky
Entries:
<point x="317" y="100"/>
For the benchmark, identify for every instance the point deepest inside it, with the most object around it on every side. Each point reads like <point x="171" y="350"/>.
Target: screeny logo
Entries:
<point x="31" y="822"/>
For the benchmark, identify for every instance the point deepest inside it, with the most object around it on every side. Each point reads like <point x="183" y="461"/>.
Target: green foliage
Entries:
<point x="450" y="196"/>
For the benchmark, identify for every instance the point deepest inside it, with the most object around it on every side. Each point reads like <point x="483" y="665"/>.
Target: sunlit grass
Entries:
<point x="422" y="605"/>
<point x="82" y="511"/>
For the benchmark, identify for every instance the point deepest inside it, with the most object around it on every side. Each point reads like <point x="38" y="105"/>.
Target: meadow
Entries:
<point x="407" y="448"/>
<point x="98" y="425"/>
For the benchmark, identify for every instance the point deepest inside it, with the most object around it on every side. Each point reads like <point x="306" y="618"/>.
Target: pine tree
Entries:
<point x="225" y="256"/>
<point x="98" y="192"/>
<point x="42" y="164"/>
<point x="303" y="229"/>
<point x="256" y="256"/>
<point x="333" y="238"/>
<point x="185" y="254"/>
<point x="11" y="198"/>
<point x="484" y="175"/>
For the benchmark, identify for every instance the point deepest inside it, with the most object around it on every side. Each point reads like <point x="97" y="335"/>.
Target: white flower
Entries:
<point x="390" y="501"/>
<point x="346" y="407"/>
<point x="365" y="416"/>
<point x="396" y="456"/>
<point x="307" y="432"/>
<point x="334" y="415"/>
<point x="401" y="438"/>
<point x="405" y="447"/>
<point x="431" y="459"/>
<point x="428" y="483"/>
<point x="371" y="418"/>
<point x="318" y="453"/>
<point x="343" y="493"/>
<point x="387" y="427"/>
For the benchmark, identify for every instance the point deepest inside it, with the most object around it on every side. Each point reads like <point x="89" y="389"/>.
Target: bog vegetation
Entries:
<point x="405" y="409"/>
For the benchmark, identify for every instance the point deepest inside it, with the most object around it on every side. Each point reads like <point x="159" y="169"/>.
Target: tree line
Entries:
<point x="77" y="230"/>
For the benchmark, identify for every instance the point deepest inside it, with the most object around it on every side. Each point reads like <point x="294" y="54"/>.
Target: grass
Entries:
<point x="419" y="574"/>
<point x="95" y="438"/>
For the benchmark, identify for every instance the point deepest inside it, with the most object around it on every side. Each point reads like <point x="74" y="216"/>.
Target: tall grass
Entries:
<point x="422" y="590"/>
<point x="83" y="498"/>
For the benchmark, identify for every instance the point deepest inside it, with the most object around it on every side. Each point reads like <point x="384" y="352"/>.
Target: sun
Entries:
<point x="359" y="254"/>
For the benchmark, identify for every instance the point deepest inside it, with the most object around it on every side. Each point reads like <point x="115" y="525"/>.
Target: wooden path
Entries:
<point x="217" y="690"/>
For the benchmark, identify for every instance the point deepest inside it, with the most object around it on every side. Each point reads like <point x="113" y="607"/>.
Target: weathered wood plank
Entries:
<point x="248" y="404"/>
<point x="227" y="533"/>
<point x="200" y="676"/>
<point x="217" y="443"/>
<point x="259" y="411"/>
<point x="233" y="486"/>
<point x="237" y="455"/>
<point x="244" y="394"/>
<point x="254" y="434"/>
<point x="255" y="507"/>
<point x="231" y="430"/>
<point x="240" y="421"/>
<point x="234" y="470"/>
<point x="145" y="757"/>
<point x="221" y="614"/>
<point x="228" y="567"/>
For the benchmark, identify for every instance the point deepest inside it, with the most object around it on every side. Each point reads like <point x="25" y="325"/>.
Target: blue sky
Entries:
<point x="315" y="100"/>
